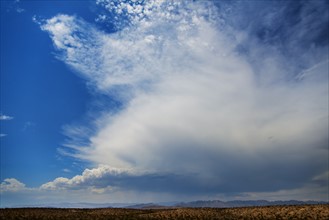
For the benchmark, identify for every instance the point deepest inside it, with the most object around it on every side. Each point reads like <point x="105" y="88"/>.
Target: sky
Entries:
<point x="129" y="101"/>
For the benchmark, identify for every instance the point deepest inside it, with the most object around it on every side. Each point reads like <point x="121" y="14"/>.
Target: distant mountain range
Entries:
<point x="148" y="206"/>
<point x="194" y="204"/>
<point x="244" y="203"/>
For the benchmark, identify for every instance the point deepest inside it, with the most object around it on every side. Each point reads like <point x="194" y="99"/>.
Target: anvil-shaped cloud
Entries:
<point x="210" y="96"/>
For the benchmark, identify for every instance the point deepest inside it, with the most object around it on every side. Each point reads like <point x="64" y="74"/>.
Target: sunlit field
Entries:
<point x="271" y="212"/>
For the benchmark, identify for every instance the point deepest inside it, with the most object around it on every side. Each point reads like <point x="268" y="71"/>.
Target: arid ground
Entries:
<point x="271" y="212"/>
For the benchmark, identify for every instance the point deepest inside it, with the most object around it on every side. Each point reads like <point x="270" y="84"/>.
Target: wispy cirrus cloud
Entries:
<point x="211" y="97"/>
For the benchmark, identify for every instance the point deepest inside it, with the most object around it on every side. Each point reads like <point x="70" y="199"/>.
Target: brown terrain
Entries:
<point x="269" y="212"/>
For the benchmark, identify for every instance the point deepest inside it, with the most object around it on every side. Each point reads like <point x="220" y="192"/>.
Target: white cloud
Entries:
<point x="193" y="103"/>
<point x="20" y="10"/>
<point x="63" y="27"/>
<point x="105" y="184"/>
<point x="101" y="18"/>
<point x="88" y="179"/>
<point x="14" y="6"/>
<point x="131" y="57"/>
<point x="67" y="170"/>
<point x="5" y="117"/>
<point x="11" y="185"/>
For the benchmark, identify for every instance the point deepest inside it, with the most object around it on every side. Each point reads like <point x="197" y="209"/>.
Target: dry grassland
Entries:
<point x="272" y="212"/>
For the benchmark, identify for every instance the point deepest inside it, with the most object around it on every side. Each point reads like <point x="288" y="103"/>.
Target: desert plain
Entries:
<point x="267" y="212"/>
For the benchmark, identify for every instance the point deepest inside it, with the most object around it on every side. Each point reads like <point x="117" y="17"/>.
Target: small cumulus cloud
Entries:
<point x="108" y="184"/>
<point x="97" y="178"/>
<point x="5" y="117"/>
<point x="11" y="185"/>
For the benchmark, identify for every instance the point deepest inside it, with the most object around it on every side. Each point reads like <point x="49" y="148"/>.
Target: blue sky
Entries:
<point x="146" y="101"/>
<point x="38" y="91"/>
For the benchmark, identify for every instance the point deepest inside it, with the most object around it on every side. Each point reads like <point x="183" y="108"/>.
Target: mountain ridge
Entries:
<point x="244" y="203"/>
<point x="159" y="205"/>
